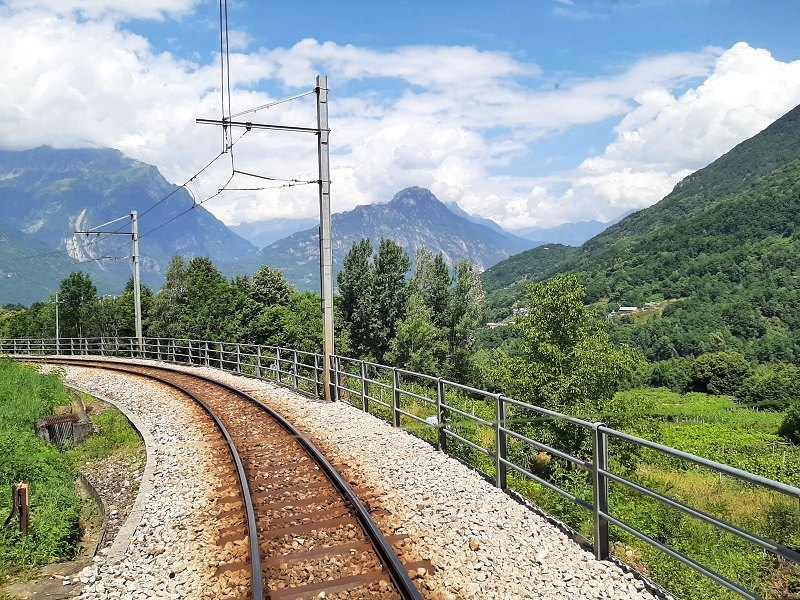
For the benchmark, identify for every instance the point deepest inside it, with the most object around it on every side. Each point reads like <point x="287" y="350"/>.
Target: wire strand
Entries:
<point x="271" y="104"/>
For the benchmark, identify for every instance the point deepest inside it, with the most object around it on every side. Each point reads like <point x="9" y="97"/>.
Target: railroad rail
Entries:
<point x="300" y="513"/>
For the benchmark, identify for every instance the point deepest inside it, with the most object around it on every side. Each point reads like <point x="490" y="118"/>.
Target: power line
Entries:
<point x="276" y="178"/>
<point x="271" y="104"/>
<point x="185" y="185"/>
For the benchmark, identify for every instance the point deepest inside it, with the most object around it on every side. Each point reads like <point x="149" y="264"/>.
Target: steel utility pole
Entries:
<point x="325" y="258"/>
<point x="326" y="254"/>
<point x="137" y="291"/>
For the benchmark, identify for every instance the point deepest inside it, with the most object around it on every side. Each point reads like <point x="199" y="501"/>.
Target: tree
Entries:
<point x="673" y="373"/>
<point x="790" y="427"/>
<point x="355" y="299"/>
<point x="771" y="386"/>
<point x="390" y="293"/>
<point x="269" y="287"/>
<point x="466" y="317"/>
<point x="296" y="324"/>
<point x="76" y="293"/>
<point x="210" y="303"/>
<point x="419" y="344"/>
<point x="719" y="372"/>
<point x="565" y="362"/>
<point x="432" y="279"/>
<point x="169" y="304"/>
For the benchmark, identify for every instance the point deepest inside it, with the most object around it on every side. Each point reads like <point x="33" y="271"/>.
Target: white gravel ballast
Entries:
<point x="482" y="543"/>
<point x="168" y="549"/>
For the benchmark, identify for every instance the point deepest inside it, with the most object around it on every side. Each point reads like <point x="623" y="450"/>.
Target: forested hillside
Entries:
<point x="722" y="247"/>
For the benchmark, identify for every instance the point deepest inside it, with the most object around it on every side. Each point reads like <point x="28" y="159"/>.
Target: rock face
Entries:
<point x="414" y="218"/>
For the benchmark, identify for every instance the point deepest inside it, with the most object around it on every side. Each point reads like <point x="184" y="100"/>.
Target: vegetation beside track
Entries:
<point x="27" y="395"/>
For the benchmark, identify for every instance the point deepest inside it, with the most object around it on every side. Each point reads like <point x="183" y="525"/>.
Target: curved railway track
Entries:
<point x="298" y="529"/>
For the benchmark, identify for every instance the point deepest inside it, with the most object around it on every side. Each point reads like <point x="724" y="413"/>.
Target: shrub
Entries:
<point x="790" y="428"/>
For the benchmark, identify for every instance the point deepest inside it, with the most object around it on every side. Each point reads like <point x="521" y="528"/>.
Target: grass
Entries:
<point x="26" y="395"/>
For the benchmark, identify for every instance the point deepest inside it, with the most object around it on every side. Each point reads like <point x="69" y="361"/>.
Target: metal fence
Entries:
<point x="439" y="411"/>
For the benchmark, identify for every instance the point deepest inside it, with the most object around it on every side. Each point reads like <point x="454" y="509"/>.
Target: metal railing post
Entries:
<point x="337" y="382"/>
<point x="364" y="388"/>
<point x="158" y="349"/>
<point x="207" y="359"/>
<point x="501" y="478"/>
<point x="278" y="365"/>
<point x="395" y="397"/>
<point x="600" y="484"/>
<point x="294" y="369"/>
<point x="190" y="352"/>
<point x="316" y="375"/>
<point x="258" y="362"/>
<point x="441" y="438"/>
<point x="221" y="352"/>
<point x="238" y="358"/>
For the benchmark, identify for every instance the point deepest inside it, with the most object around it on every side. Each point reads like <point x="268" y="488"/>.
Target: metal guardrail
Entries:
<point x="395" y="392"/>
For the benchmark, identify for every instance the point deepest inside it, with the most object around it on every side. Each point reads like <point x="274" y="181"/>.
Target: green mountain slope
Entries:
<point x="725" y="243"/>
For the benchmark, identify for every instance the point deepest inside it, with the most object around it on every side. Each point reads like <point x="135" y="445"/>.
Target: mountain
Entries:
<point x="263" y="233"/>
<point x="568" y="234"/>
<point x="414" y="218"/>
<point x="31" y="270"/>
<point x="721" y="253"/>
<point x="47" y="194"/>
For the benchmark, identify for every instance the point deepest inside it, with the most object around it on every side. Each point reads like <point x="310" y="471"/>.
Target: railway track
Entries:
<point x="294" y="527"/>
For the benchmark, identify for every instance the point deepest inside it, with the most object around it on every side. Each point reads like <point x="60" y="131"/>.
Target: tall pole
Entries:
<point x="137" y="295"/>
<point x="326" y="255"/>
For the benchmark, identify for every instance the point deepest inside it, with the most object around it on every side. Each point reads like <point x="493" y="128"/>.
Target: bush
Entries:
<point x="790" y="428"/>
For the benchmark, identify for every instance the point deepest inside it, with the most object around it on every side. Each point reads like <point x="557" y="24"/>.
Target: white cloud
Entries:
<point x="118" y="9"/>
<point x="453" y="116"/>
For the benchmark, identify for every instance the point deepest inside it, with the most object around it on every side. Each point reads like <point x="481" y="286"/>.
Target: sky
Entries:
<point x="531" y="113"/>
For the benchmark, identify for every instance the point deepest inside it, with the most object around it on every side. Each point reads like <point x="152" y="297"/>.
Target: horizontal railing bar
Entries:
<point x="548" y="412"/>
<point x="710" y="519"/>
<point x="550" y="486"/>
<point x="413" y="416"/>
<point x="468" y="443"/>
<point x="704" y="462"/>
<point x="542" y="446"/>
<point x="469" y="416"/>
<point x="430" y="378"/>
<point x="417" y="396"/>
<point x="720" y="579"/>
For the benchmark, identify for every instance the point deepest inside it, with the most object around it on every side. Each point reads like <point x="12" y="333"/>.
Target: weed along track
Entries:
<point x="290" y="525"/>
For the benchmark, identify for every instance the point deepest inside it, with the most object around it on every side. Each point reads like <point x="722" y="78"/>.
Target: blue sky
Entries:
<point x="530" y="113"/>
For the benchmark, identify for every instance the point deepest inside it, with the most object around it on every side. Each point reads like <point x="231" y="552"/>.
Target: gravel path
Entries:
<point x="482" y="543"/>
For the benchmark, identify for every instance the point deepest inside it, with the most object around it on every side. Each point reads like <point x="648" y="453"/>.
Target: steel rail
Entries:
<point x="255" y="551"/>
<point x="396" y="570"/>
